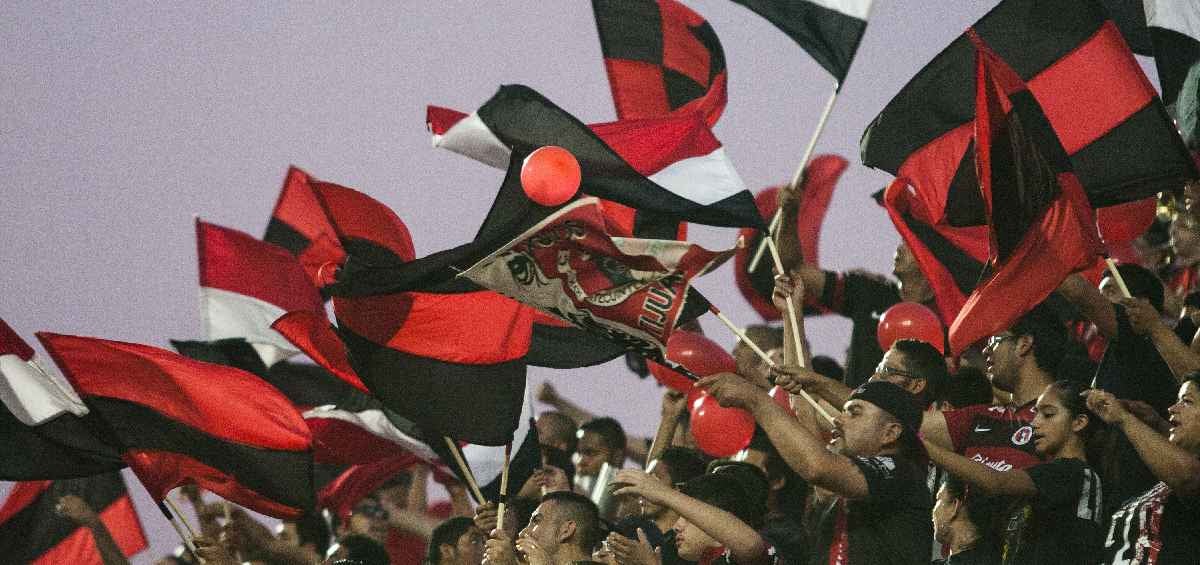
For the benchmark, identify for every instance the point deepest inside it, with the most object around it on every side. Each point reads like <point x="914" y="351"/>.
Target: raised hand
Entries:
<point x="640" y="483"/>
<point x="633" y="552"/>
<point x="1106" y="406"/>
<point x="731" y="390"/>
<point x="75" y="509"/>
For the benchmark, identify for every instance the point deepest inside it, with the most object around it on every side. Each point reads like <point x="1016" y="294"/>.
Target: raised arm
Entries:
<point x="1011" y="483"/>
<point x="1145" y="320"/>
<point x="1093" y="305"/>
<point x="1170" y="463"/>
<point x="674" y="406"/>
<point x="745" y="544"/>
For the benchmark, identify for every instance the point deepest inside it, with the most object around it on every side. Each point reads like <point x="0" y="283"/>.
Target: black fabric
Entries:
<point x="1158" y="527"/>
<point x="982" y="555"/>
<point x="38" y="528"/>
<point x="787" y="536"/>
<point x="283" y="477"/>
<point x="569" y="348"/>
<point x="284" y="235"/>
<point x="628" y="31"/>
<point x="891" y="525"/>
<point x="1061" y="524"/>
<point x="863" y="298"/>
<point x="830" y="37"/>
<point x="64" y="447"/>
<point x="1130" y="17"/>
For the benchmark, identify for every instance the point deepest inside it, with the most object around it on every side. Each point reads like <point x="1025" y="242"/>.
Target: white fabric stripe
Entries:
<point x="472" y="138"/>
<point x="229" y="314"/>
<point x="486" y="462"/>
<point x="859" y="9"/>
<point x="705" y="180"/>
<point x="377" y="424"/>
<point x="33" y="394"/>
<point x="1089" y="497"/>
<point x="1182" y="16"/>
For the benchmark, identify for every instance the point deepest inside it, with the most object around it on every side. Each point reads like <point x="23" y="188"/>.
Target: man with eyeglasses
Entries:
<point x="913" y="365"/>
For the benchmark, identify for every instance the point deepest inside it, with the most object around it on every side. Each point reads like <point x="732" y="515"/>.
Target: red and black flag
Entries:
<point x="43" y="434"/>
<point x="661" y="58"/>
<point x="1041" y="226"/>
<point x="245" y="285"/>
<point x="33" y="532"/>
<point x="820" y="179"/>
<point x="182" y="421"/>
<point x="829" y="30"/>
<point x="1121" y="143"/>
<point x="298" y="224"/>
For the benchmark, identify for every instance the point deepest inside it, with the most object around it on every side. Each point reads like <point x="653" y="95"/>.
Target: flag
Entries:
<point x="829" y="30"/>
<point x="1121" y="142"/>
<point x="182" y="421"/>
<point x="669" y="169"/>
<point x="42" y="431"/>
<point x="820" y="179"/>
<point x="661" y="57"/>
<point x="1041" y="226"/>
<point x="32" y="532"/>
<point x="299" y="224"/>
<point x="1174" y="29"/>
<point x="631" y="291"/>
<point x="245" y="284"/>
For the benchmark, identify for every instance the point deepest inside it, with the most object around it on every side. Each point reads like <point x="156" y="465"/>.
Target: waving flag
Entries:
<point x="32" y="532"/>
<point x="245" y="284"/>
<point x="1121" y="143"/>
<point x="1042" y="228"/>
<point x="299" y="224"/>
<point x="182" y="421"/>
<point x="661" y="57"/>
<point x="829" y="30"/>
<point x="1175" y="33"/>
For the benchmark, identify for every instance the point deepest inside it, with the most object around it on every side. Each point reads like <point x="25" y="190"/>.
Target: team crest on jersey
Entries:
<point x="1022" y="435"/>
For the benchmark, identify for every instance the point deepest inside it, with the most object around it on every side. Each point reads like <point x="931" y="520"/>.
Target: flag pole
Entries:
<point x="183" y="519"/>
<point x="791" y="306"/>
<point x="466" y="471"/>
<point x="503" y="487"/>
<point x="798" y="176"/>
<point x="187" y="542"/>
<point x="1116" y="275"/>
<point x="741" y="335"/>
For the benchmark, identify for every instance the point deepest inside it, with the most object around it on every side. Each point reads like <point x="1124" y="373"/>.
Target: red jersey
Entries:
<point x="1000" y="437"/>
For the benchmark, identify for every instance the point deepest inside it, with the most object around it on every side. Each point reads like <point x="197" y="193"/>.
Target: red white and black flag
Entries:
<point x="245" y="285"/>
<point x="1121" y="143"/>
<point x="182" y="421"/>
<point x="1041" y="226"/>
<point x="630" y="291"/>
<point x="1175" y="34"/>
<point x="42" y="431"/>
<point x="829" y="30"/>
<point x="661" y="58"/>
<point x="33" y="532"/>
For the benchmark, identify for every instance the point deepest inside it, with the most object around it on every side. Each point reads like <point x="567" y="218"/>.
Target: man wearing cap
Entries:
<point x="880" y="513"/>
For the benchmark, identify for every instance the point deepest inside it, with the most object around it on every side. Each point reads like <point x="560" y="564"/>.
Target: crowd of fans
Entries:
<point x="1071" y="437"/>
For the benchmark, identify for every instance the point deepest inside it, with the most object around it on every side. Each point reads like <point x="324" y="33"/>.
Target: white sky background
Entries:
<point x="119" y="123"/>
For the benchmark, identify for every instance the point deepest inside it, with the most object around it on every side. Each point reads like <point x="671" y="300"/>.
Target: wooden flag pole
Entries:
<point x="503" y="488"/>
<point x="798" y="176"/>
<point x="791" y="307"/>
<point x="1116" y="275"/>
<point x="466" y="471"/>
<point x="741" y="335"/>
<point x="183" y="519"/>
<point x="187" y="542"/>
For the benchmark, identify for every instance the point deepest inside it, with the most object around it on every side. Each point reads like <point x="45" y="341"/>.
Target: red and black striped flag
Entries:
<point x="182" y="421"/>
<point x="1121" y="143"/>
<point x="1041" y="226"/>
<point x="829" y="30"/>
<point x="299" y="225"/>
<point x="661" y="58"/>
<point x="33" y="532"/>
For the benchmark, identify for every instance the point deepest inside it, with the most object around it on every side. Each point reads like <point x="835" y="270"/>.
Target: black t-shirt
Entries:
<point x="1131" y="369"/>
<point x="862" y="298"/>
<point x="890" y="526"/>
<point x="788" y="538"/>
<point x="1061" y="525"/>
<point x="1158" y="527"/>
<point x="982" y="555"/>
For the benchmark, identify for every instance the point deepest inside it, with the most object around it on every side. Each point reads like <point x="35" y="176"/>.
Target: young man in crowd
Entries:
<point x="601" y="440"/>
<point x="962" y="525"/>
<point x="456" y="542"/>
<point x="563" y="530"/>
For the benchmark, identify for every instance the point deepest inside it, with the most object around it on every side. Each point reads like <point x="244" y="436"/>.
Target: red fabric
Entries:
<point x="79" y="548"/>
<point x="338" y="442"/>
<point x="12" y="344"/>
<point x="405" y="549"/>
<point x="839" y="547"/>
<point x="355" y="215"/>
<point x="682" y="52"/>
<point x="162" y="471"/>
<point x="1063" y="241"/>
<point x="312" y="334"/>
<point x="298" y="208"/>
<point x="931" y="168"/>
<point x="22" y="494"/>
<point x="997" y="436"/>
<point x="355" y="483"/>
<point x="640" y="91"/>
<point x="244" y="409"/>
<point x="234" y="261"/>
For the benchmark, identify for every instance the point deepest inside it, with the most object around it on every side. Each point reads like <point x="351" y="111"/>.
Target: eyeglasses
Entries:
<point x="886" y="371"/>
<point x="995" y="341"/>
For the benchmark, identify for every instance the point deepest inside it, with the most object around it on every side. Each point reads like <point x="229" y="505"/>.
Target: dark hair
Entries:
<point x="792" y="499"/>
<point x="1071" y="395"/>
<point x="968" y="387"/>
<point x="737" y="488"/>
<point x="983" y="511"/>
<point x="1049" y="336"/>
<point x="364" y="550"/>
<point x="558" y="458"/>
<point x="826" y="366"/>
<point x="583" y="512"/>
<point x="562" y="423"/>
<point x="446" y="533"/>
<point x="609" y="430"/>
<point x="629" y="526"/>
<point x="1193" y="376"/>
<point x="765" y="336"/>
<point x="683" y="464"/>
<point x="1142" y="283"/>
<point x="312" y="528"/>
<point x="924" y="361"/>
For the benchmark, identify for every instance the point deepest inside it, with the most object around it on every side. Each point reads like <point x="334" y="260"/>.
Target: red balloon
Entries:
<point x="1123" y="223"/>
<point x="668" y="377"/>
<point x="719" y="432"/>
<point x="698" y="354"/>
<point x="909" y="320"/>
<point x="782" y="398"/>
<point x="550" y="175"/>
